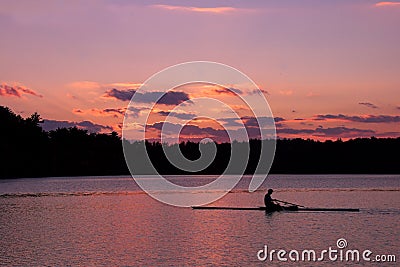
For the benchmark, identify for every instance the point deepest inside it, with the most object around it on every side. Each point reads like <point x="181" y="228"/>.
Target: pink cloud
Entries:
<point x="16" y="90"/>
<point x="226" y="91"/>
<point x="312" y="94"/>
<point x="166" y="98"/>
<point x="51" y="125"/>
<point x="333" y="132"/>
<point x="360" y="119"/>
<point x="187" y="132"/>
<point x="114" y="112"/>
<point x="368" y="105"/>
<point x="210" y="10"/>
<point x="95" y="85"/>
<point x="71" y="96"/>
<point x="383" y="4"/>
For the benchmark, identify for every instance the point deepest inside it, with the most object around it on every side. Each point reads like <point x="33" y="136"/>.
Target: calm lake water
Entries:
<point x="109" y="221"/>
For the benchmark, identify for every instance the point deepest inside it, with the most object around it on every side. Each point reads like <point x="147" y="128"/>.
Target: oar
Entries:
<point x="289" y="203"/>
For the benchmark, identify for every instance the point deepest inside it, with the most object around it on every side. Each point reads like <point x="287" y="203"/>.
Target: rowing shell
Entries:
<point x="284" y="209"/>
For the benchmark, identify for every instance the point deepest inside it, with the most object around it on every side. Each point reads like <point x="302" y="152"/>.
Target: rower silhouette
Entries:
<point x="270" y="205"/>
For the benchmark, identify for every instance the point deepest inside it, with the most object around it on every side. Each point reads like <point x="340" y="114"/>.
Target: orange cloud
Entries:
<point x="381" y="4"/>
<point x="286" y="92"/>
<point x="211" y="10"/>
<point x="96" y="85"/>
<point x="125" y="85"/>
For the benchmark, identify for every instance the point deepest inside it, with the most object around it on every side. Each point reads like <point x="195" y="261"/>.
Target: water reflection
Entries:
<point x="130" y="229"/>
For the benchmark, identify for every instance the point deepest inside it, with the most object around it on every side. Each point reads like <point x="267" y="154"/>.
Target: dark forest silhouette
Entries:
<point x="29" y="151"/>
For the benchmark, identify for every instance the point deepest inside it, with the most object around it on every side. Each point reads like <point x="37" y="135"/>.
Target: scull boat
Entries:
<point x="284" y="208"/>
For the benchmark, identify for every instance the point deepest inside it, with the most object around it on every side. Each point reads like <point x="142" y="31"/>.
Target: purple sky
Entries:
<point x="331" y="68"/>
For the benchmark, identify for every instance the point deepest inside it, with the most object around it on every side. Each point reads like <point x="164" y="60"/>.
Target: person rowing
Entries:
<point x="270" y="205"/>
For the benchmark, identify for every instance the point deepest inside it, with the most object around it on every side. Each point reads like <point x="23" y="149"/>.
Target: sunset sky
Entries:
<point x="329" y="69"/>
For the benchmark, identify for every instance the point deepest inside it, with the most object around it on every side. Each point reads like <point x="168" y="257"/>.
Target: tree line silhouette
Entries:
<point x="29" y="151"/>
